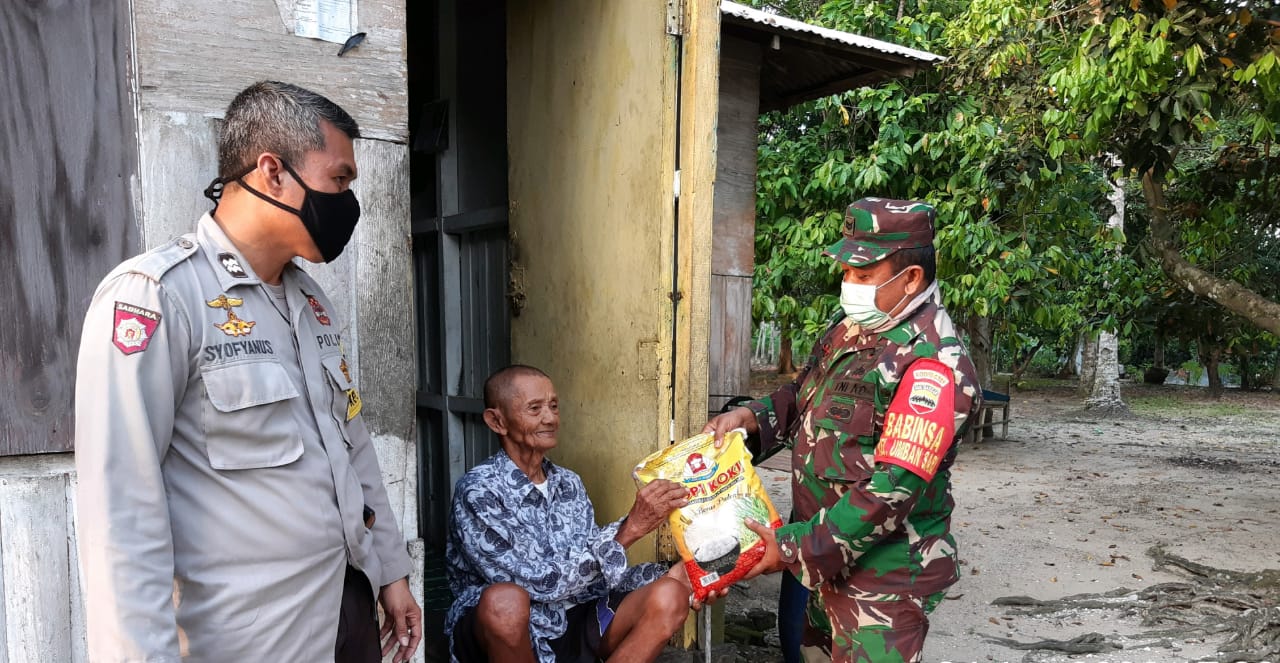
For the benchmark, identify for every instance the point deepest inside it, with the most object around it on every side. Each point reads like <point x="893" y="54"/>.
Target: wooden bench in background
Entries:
<point x="992" y="401"/>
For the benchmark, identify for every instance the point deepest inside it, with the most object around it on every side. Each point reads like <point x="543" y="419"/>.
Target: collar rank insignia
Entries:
<point x="133" y="328"/>
<point x="234" y="326"/>
<point x="322" y="316"/>
<point x="232" y="265"/>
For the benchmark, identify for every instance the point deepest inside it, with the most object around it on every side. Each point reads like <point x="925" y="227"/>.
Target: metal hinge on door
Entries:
<point x="675" y="17"/>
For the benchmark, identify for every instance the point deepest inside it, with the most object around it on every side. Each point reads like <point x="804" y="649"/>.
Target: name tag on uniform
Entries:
<point x="354" y="404"/>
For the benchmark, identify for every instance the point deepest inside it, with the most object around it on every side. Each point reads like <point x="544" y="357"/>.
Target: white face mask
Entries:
<point x="859" y="302"/>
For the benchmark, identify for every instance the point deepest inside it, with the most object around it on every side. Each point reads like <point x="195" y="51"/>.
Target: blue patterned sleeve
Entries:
<point x="550" y="565"/>
<point x="631" y="578"/>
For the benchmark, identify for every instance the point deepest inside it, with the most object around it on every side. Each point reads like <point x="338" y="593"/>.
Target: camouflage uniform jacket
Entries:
<point x="862" y="525"/>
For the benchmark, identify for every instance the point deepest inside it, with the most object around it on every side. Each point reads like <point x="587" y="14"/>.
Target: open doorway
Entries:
<point x="458" y="179"/>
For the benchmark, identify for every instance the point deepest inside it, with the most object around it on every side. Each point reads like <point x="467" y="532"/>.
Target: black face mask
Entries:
<point x="329" y="218"/>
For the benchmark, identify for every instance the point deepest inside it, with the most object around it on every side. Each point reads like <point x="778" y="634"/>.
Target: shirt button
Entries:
<point x="185" y="243"/>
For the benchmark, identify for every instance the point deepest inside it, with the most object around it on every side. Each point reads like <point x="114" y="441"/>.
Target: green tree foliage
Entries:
<point x="1020" y="237"/>
<point x="1193" y="73"/>
<point x="1014" y="138"/>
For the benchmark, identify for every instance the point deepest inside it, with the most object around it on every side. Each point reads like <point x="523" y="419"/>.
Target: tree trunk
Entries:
<point x="1230" y="295"/>
<point x="1246" y="375"/>
<point x="1021" y="367"/>
<point x="1071" y="367"/>
<point x="1104" y="395"/>
<point x="902" y="6"/>
<point x="786" y="363"/>
<point x="980" y="348"/>
<point x="1159" y="350"/>
<point x="1210" y="354"/>
<point x="1275" y="375"/>
<point x="980" y="352"/>
<point x="1088" y="364"/>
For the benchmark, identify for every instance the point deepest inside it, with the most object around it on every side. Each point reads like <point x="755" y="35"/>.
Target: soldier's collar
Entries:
<point x="913" y="326"/>
<point x="228" y="264"/>
<point x="846" y="336"/>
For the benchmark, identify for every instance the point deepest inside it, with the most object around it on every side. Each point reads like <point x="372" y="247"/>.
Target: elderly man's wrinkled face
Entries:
<point x="530" y="414"/>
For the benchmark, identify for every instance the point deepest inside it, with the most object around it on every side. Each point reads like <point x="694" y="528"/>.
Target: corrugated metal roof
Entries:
<point x="799" y="62"/>
<point x="783" y="24"/>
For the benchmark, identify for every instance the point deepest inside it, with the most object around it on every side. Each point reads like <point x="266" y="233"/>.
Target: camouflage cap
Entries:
<point x="876" y="227"/>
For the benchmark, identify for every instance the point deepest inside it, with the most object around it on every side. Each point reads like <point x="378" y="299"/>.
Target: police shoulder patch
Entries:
<point x="133" y="327"/>
<point x="919" y="426"/>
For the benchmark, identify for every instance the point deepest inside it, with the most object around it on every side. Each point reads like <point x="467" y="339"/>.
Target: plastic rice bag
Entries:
<point x="723" y="489"/>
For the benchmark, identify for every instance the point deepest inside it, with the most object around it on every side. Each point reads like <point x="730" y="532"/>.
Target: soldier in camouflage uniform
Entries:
<point x="873" y="420"/>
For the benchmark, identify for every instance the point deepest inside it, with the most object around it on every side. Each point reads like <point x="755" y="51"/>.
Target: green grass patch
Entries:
<point x="1175" y="406"/>
<point x="1030" y="383"/>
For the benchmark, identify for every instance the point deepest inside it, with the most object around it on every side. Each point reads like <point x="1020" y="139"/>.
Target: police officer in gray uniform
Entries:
<point x="229" y="502"/>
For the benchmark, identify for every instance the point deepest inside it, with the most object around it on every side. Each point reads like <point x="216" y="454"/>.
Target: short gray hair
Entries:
<point x="497" y="389"/>
<point x="270" y="116"/>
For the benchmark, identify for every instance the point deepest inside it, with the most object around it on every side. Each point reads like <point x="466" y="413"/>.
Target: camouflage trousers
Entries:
<point x="845" y="625"/>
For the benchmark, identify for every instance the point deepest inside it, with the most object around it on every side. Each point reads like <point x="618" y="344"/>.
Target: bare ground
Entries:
<point x="1071" y="503"/>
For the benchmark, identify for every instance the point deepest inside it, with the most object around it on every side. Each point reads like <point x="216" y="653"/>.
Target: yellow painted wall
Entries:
<point x="591" y="127"/>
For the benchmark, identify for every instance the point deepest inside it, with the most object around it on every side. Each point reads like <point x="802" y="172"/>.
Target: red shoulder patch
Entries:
<point x="133" y="327"/>
<point x="920" y="425"/>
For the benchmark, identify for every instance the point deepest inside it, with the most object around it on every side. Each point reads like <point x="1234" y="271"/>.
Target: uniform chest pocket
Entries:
<point x="840" y="421"/>
<point x="248" y="419"/>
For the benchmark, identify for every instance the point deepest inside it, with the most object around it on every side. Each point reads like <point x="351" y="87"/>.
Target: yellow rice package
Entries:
<point x="723" y="491"/>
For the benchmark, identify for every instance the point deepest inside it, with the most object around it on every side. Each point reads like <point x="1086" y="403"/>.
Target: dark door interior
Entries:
<point x="458" y="176"/>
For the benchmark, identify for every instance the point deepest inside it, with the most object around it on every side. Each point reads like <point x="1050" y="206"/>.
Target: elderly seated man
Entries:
<point x="533" y="575"/>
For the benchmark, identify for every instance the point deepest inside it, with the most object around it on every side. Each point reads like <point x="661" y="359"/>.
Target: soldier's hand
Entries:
<point x="654" y="502"/>
<point x="680" y="573"/>
<point x="772" y="560"/>
<point x="738" y="417"/>
<point x="709" y="599"/>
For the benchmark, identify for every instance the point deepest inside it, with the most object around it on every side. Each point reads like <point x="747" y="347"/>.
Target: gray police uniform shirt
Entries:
<point x="222" y="463"/>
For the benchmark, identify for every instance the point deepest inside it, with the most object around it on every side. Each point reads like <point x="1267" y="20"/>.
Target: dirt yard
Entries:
<point x="1073" y="504"/>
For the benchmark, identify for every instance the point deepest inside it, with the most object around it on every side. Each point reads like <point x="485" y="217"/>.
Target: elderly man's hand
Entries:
<point x="654" y="502"/>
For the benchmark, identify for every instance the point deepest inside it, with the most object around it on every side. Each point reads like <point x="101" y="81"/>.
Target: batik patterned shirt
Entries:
<point x="502" y="529"/>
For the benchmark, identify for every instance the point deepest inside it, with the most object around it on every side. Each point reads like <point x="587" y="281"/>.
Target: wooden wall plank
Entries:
<point x="699" y="106"/>
<point x="79" y="634"/>
<point x="733" y="257"/>
<point x="737" y="133"/>
<point x="4" y="622"/>
<point x="67" y="151"/>
<point x="730" y="354"/>
<point x="178" y="158"/>
<point x="33" y="540"/>
<point x="193" y="57"/>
